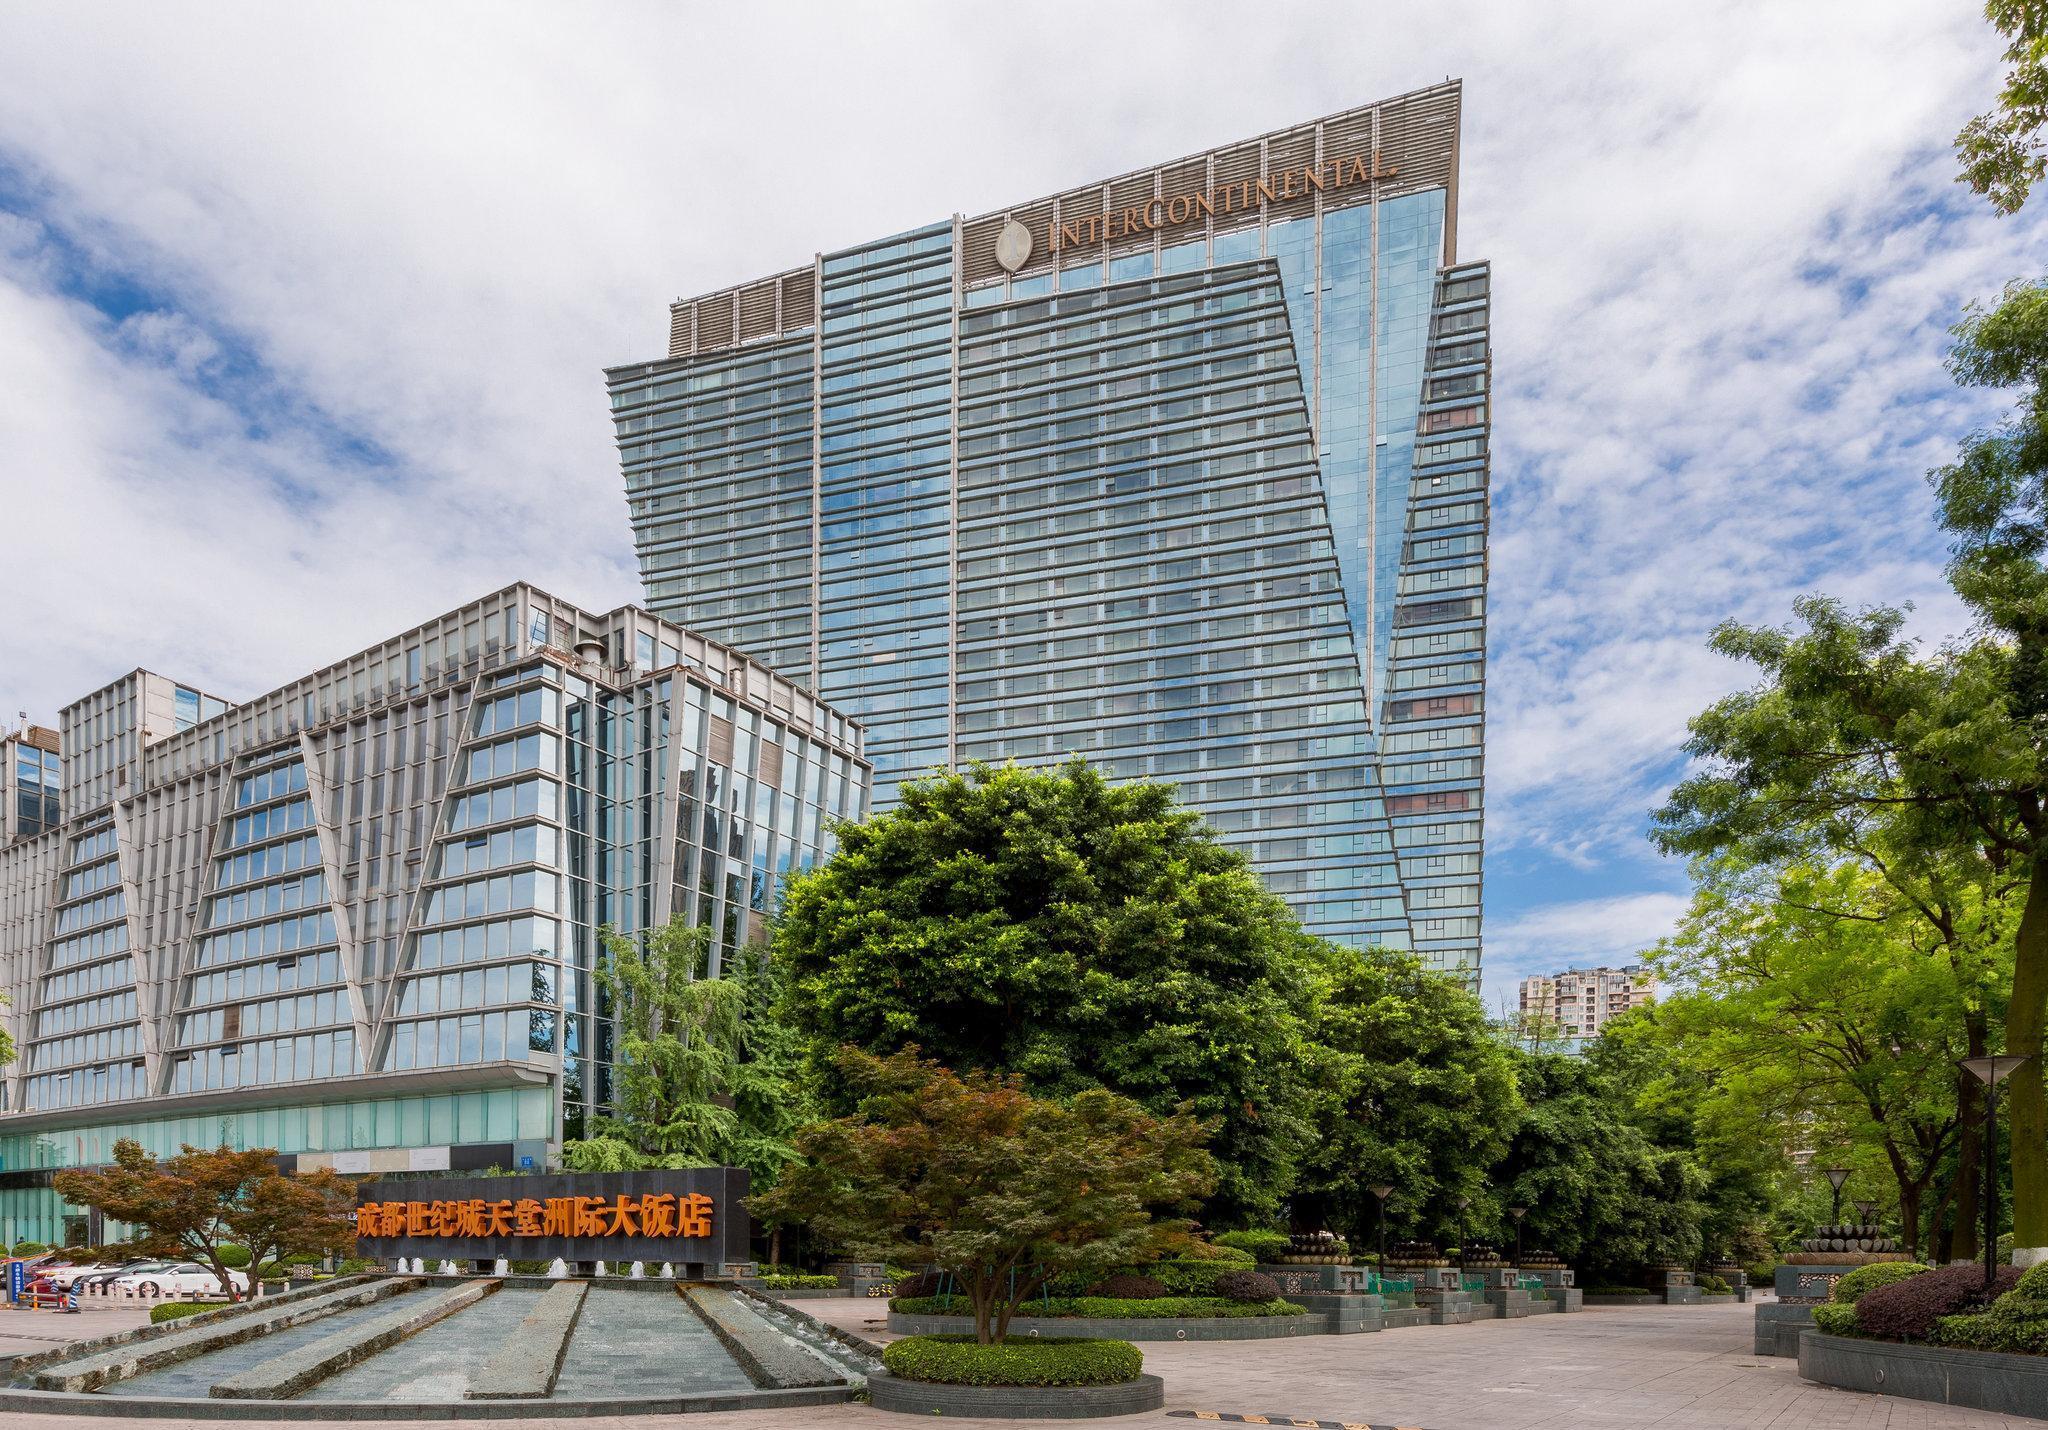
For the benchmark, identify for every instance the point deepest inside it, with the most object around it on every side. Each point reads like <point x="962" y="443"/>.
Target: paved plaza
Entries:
<point x="1674" y="1368"/>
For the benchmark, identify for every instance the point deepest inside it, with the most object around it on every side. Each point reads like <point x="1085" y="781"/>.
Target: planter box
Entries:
<point x="1015" y="1402"/>
<point x="1982" y="1380"/>
<point x="1106" y="1328"/>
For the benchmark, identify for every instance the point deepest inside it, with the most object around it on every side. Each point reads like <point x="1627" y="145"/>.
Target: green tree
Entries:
<point x="1415" y="1091"/>
<point x="1078" y="934"/>
<point x="703" y="1074"/>
<point x="1803" y="992"/>
<point x="1000" y="1188"/>
<point x="2002" y="151"/>
<point x="202" y="1201"/>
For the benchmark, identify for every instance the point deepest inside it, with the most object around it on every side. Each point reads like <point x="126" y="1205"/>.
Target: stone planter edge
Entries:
<point x="1016" y="1402"/>
<point x="1997" y="1381"/>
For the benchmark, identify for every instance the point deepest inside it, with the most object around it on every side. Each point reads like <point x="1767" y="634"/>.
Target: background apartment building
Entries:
<point x="1580" y="1002"/>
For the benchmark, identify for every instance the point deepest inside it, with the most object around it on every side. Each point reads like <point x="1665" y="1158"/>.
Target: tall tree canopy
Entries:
<point x="2002" y="151"/>
<point x="1415" y="1092"/>
<point x="1078" y="934"/>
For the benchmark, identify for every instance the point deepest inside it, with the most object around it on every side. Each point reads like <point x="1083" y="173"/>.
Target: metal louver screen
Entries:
<point x="714" y="322"/>
<point x="681" y="337"/>
<point x="799" y="301"/>
<point x="757" y="311"/>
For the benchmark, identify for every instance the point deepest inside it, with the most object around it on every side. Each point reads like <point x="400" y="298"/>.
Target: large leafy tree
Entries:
<point x="978" y="1177"/>
<point x="1078" y="934"/>
<point x="1415" y="1092"/>
<point x="1807" y="997"/>
<point x="193" y="1204"/>
<point x="2002" y="151"/>
<point x="704" y="1074"/>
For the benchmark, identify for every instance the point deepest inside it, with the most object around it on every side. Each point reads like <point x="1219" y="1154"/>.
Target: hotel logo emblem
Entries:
<point x="1013" y="246"/>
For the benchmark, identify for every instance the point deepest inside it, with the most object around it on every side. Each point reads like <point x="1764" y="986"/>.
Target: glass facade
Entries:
<point x="1197" y="488"/>
<point x="393" y="875"/>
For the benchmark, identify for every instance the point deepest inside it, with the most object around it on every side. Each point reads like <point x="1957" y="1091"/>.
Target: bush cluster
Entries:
<point x="1907" y="1310"/>
<point x="795" y="1282"/>
<point x="177" y="1310"/>
<point x="1868" y="1278"/>
<point x="1263" y="1245"/>
<point x="234" y="1257"/>
<point x="1832" y="1319"/>
<point x="1164" y="1307"/>
<point x="29" y="1248"/>
<point x="1247" y="1286"/>
<point x="1128" y="1286"/>
<point x="1213" y="1251"/>
<point x="918" y="1285"/>
<point x="1712" y="1285"/>
<point x="2016" y="1321"/>
<point x="957" y="1360"/>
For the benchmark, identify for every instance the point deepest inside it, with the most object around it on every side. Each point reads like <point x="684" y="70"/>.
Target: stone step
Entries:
<point x="131" y="1358"/>
<point x="283" y="1376"/>
<point x="525" y="1367"/>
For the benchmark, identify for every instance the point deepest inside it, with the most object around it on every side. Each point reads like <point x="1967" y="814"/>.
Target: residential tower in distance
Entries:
<point x="1184" y="471"/>
<point x="1580" y="1002"/>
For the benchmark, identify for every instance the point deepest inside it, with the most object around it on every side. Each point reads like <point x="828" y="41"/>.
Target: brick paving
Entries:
<point x="1667" y="1368"/>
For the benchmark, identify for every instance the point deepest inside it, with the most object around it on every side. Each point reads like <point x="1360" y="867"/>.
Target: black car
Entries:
<point x="84" y="1284"/>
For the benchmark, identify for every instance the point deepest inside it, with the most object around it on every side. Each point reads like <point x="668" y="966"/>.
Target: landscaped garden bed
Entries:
<point x="1162" y="1301"/>
<point x="1049" y="1378"/>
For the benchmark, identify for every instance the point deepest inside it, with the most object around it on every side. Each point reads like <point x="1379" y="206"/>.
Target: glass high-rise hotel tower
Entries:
<point x="1184" y="471"/>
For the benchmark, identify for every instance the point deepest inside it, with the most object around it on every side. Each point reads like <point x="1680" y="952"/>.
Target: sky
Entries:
<point x="303" y="311"/>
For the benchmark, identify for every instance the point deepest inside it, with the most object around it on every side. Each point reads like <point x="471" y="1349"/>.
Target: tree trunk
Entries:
<point x="775" y="1247"/>
<point x="982" y="1293"/>
<point x="1909" y="1217"/>
<point x="1969" y="1152"/>
<point x="2027" y="1098"/>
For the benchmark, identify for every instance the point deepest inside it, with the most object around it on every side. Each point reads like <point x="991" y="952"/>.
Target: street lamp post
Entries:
<point x="1836" y="1176"/>
<point x="1463" y="1204"/>
<point x="1991" y="1071"/>
<point x="1866" y="1210"/>
<point x="1518" y="1213"/>
<point x="1382" y="1190"/>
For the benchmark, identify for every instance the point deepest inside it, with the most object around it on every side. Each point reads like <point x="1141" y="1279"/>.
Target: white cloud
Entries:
<point x="1581" y="933"/>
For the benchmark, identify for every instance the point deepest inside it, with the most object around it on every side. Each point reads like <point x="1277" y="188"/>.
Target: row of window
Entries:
<point x="510" y="712"/>
<point x="87" y="1047"/>
<point x="114" y="973"/>
<point x="274" y="975"/>
<point x="539" y="891"/>
<point x="82" y="948"/>
<point x="269" y="823"/>
<point x="310" y="1055"/>
<point x="529" y="799"/>
<point x="91" y="913"/>
<point x="509" y="757"/>
<point x="90" y="1013"/>
<point x="90" y="880"/>
<point x="476" y="1038"/>
<point x="85" y="1085"/>
<point x="268" y="862"/>
<point x="267" y="940"/>
<point x="265" y="900"/>
<point x="527" y="844"/>
<point x="273" y="783"/>
<point x="474" y="989"/>
<point x="274" y="1015"/>
<point x="87" y="847"/>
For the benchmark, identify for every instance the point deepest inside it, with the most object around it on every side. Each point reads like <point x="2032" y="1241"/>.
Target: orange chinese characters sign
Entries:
<point x="653" y="1214"/>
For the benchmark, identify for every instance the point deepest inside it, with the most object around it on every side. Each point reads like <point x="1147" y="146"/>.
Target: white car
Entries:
<point x="179" y="1278"/>
<point x="65" y="1275"/>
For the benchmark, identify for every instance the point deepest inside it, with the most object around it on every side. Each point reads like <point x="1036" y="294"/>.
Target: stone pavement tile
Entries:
<point x="24" y="1333"/>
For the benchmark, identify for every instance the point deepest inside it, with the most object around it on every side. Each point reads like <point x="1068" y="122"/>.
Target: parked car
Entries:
<point x="179" y="1278"/>
<point x="66" y="1273"/>
<point x="101" y="1279"/>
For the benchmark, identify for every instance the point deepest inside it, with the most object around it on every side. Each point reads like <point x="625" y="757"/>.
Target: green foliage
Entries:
<point x="1908" y="1310"/>
<point x="1077" y="934"/>
<point x="1869" y="1278"/>
<point x="2033" y="1283"/>
<point x="1411" y="1090"/>
<point x="705" y="1074"/>
<point x="29" y="1248"/>
<point x="1711" y="1285"/>
<point x="1605" y="1158"/>
<point x="1002" y="1189"/>
<point x="1247" y="1286"/>
<point x="1208" y="1251"/>
<point x="177" y="1310"/>
<point x="1833" y="1320"/>
<point x="234" y="1257"/>
<point x="351" y="1265"/>
<point x="1262" y="1245"/>
<point x="1066" y="1307"/>
<point x="1127" y="1286"/>
<point x="957" y="1360"/>
<point x="798" y="1282"/>
<point x="2002" y="151"/>
<point x="2016" y="1321"/>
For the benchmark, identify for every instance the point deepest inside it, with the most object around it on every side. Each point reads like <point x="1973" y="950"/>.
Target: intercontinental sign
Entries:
<point x="1237" y="196"/>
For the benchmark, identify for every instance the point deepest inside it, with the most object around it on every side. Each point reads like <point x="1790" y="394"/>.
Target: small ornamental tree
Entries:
<point x="1002" y="1189"/>
<point x="199" y="1203"/>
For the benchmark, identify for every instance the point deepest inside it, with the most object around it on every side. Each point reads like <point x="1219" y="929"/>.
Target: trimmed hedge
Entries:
<point x="2016" y="1321"/>
<point x="1247" y="1286"/>
<point x="234" y="1257"/>
<point x="957" y="1360"/>
<point x="1908" y="1310"/>
<point x="1177" y="1278"/>
<point x="1832" y="1320"/>
<point x="1210" y="1251"/>
<point x="1127" y="1287"/>
<point x="1064" y="1307"/>
<point x="177" y="1311"/>
<point x="1263" y="1245"/>
<point x="798" y="1282"/>
<point x="918" y="1286"/>
<point x="1865" y="1279"/>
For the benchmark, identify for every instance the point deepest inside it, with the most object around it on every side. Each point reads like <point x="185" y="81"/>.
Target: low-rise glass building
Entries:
<point x="1184" y="470"/>
<point x="356" y="919"/>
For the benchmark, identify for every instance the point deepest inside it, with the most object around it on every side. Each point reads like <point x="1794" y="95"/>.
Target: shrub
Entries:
<point x="350" y="1265"/>
<point x="1162" y="1308"/>
<point x="1834" y="1320"/>
<point x="798" y="1282"/>
<point x="957" y="1360"/>
<point x="2033" y="1283"/>
<point x="1907" y="1310"/>
<point x="1761" y="1273"/>
<point x="1620" y="1291"/>
<point x="1126" y="1287"/>
<point x="2016" y="1321"/>
<point x="1712" y="1285"/>
<point x="1263" y="1245"/>
<point x="1247" y="1286"/>
<point x="527" y="1268"/>
<point x="1210" y="1251"/>
<point x="177" y="1310"/>
<point x="29" y="1248"/>
<point x="921" y="1284"/>
<point x="1869" y="1278"/>
<point x="234" y="1257"/>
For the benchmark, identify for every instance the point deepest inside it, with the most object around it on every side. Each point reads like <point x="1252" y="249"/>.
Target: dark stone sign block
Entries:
<point x="577" y="1216"/>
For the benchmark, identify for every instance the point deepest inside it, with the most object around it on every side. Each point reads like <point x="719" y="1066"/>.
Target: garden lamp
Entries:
<point x="1836" y="1176"/>
<point x="1991" y="1071"/>
<point x="1518" y="1213"/>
